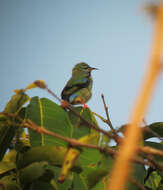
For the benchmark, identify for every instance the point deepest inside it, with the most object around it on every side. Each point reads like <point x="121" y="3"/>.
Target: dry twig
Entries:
<point x="108" y="121"/>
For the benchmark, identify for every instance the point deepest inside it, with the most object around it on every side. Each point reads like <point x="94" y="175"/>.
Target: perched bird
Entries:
<point x="78" y="89"/>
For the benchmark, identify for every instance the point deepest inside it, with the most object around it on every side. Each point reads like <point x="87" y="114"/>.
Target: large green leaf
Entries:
<point x="95" y="169"/>
<point x="156" y="127"/>
<point x="49" y="115"/>
<point x="7" y="128"/>
<point x="54" y="155"/>
<point x="80" y="129"/>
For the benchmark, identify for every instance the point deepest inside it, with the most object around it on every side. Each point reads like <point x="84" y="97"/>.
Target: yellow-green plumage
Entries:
<point x="78" y="89"/>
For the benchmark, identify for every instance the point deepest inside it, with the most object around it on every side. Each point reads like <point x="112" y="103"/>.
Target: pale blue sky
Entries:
<point x="44" y="39"/>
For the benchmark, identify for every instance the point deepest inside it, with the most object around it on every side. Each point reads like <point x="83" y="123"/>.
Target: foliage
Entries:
<point x="31" y="159"/>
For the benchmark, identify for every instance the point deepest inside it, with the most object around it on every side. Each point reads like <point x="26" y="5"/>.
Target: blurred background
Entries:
<point x="44" y="40"/>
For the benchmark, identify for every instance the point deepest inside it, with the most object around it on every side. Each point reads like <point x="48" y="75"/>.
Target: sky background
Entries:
<point x="44" y="40"/>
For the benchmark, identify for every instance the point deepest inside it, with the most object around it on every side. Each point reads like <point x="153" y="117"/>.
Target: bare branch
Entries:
<point x="150" y="150"/>
<point x="108" y="121"/>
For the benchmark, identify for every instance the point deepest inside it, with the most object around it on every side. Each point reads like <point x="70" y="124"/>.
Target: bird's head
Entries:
<point x="83" y="68"/>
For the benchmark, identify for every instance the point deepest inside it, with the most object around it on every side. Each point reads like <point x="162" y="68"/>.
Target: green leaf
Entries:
<point x="54" y="155"/>
<point x="79" y="183"/>
<point x="80" y="129"/>
<point x="99" y="186"/>
<point x="7" y="128"/>
<point x="10" y="156"/>
<point x="95" y="175"/>
<point x="49" y="115"/>
<point x="16" y="103"/>
<point x="9" y="183"/>
<point x="138" y="173"/>
<point x="104" y="140"/>
<point x="6" y="167"/>
<point x="89" y="157"/>
<point x="153" y="181"/>
<point x="41" y="186"/>
<point x="66" y="184"/>
<point x="156" y="127"/>
<point x="34" y="171"/>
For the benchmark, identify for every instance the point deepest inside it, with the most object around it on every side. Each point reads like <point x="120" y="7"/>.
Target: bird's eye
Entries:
<point x="85" y="67"/>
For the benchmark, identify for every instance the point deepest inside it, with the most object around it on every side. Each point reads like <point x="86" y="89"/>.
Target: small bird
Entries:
<point x="78" y="89"/>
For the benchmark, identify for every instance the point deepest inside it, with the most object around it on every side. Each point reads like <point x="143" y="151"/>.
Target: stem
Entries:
<point x="128" y="148"/>
<point x="107" y="115"/>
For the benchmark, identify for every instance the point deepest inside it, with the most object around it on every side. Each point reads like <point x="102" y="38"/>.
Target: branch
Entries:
<point x="108" y="121"/>
<point x="73" y="142"/>
<point x="150" y="150"/>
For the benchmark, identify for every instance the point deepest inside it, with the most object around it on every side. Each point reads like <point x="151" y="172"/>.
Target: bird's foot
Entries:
<point x="64" y="104"/>
<point x="85" y="106"/>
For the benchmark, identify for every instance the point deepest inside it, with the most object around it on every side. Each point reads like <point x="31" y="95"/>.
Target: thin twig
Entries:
<point x="100" y="117"/>
<point x="13" y="115"/>
<point x="53" y="94"/>
<point x="107" y="115"/>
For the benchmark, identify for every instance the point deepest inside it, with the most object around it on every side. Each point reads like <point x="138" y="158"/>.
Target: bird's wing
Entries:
<point x="74" y="84"/>
<point x="77" y="80"/>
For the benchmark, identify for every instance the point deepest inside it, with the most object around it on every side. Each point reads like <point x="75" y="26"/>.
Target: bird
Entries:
<point x="78" y="89"/>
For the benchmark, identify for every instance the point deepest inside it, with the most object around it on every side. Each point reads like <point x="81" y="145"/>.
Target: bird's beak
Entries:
<point x="92" y="68"/>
